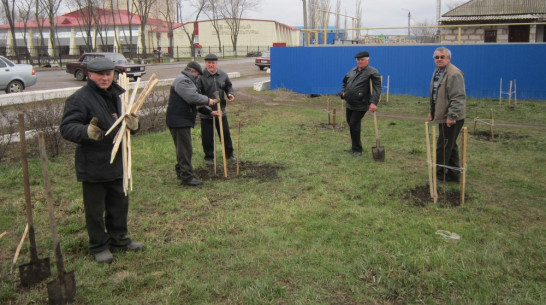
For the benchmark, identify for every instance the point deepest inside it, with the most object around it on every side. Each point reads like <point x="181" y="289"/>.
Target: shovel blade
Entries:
<point x="62" y="290"/>
<point x="378" y="153"/>
<point x="35" y="271"/>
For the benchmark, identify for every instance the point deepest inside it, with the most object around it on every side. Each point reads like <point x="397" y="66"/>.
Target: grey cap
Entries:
<point x="211" y="57"/>
<point x="195" y="66"/>
<point x="100" y="64"/>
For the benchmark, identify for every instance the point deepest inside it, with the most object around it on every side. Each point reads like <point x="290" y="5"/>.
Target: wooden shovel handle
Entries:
<point x="375" y="127"/>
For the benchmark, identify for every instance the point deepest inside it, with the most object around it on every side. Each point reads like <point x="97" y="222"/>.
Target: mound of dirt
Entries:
<point x="247" y="169"/>
<point x="420" y="196"/>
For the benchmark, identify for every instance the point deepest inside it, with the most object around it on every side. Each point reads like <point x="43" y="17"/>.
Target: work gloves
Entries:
<point x="132" y="122"/>
<point x="93" y="130"/>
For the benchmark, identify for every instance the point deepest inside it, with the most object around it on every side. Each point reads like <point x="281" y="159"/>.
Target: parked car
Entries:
<point x="79" y="68"/>
<point x="263" y="61"/>
<point x="15" y="77"/>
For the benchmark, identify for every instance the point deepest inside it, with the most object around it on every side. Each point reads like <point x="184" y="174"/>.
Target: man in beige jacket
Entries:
<point x="448" y="109"/>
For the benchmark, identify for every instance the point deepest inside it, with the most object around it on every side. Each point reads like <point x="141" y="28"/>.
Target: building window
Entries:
<point x="490" y="36"/>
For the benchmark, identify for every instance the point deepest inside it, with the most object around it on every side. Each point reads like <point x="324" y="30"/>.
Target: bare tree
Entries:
<point x="233" y="11"/>
<point x="143" y="8"/>
<point x="85" y="10"/>
<point x="358" y="19"/>
<point x="168" y="16"/>
<point x="425" y="34"/>
<point x="338" y="17"/>
<point x="24" y="12"/>
<point x="51" y="9"/>
<point x="9" y="12"/>
<point x="212" y="11"/>
<point x="199" y="7"/>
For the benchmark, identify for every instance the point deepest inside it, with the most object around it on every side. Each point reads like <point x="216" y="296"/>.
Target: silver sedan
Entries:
<point x="15" y="77"/>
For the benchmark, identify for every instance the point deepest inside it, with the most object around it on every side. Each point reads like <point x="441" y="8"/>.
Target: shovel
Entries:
<point x="62" y="289"/>
<point x="378" y="151"/>
<point x="38" y="269"/>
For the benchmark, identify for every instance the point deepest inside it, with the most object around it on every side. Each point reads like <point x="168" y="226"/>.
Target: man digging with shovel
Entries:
<point x="359" y="97"/>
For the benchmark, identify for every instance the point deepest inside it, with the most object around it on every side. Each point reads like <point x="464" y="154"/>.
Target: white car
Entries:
<point x="15" y="77"/>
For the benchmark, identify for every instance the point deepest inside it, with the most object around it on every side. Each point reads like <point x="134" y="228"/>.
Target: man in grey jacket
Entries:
<point x="448" y="109"/>
<point x="360" y="97"/>
<point x="184" y="102"/>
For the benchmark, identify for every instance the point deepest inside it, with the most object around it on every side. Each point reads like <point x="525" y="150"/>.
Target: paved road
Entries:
<point x="58" y="78"/>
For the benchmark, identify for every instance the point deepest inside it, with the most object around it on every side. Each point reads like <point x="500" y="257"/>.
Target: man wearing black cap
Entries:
<point x="215" y="82"/>
<point x="359" y="97"/>
<point x="87" y="114"/>
<point x="184" y="102"/>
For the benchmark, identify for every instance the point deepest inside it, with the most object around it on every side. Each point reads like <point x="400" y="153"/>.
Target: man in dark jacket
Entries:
<point x="215" y="81"/>
<point x="184" y="100"/>
<point x="359" y="97"/>
<point x="87" y="114"/>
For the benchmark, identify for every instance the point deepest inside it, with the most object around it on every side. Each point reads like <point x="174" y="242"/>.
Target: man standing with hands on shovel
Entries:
<point x="88" y="113"/>
<point x="184" y="102"/>
<point x="448" y="109"/>
<point x="359" y="97"/>
<point x="215" y="82"/>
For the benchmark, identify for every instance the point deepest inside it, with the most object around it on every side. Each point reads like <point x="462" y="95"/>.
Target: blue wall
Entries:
<point x="320" y="70"/>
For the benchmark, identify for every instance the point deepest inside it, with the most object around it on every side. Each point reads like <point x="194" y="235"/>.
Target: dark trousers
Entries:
<point x="106" y="208"/>
<point x="354" y="120"/>
<point x="207" y="137"/>
<point x="184" y="151"/>
<point x="447" y="151"/>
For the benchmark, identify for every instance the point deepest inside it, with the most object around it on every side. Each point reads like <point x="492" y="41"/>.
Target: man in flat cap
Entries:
<point x="184" y="102"/>
<point x="88" y="113"/>
<point x="215" y="83"/>
<point x="361" y="91"/>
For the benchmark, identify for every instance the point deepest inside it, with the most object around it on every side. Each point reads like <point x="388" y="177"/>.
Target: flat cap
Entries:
<point x="100" y="64"/>
<point x="362" y="54"/>
<point x="211" y="57"/>
<point x="195" y="66"/>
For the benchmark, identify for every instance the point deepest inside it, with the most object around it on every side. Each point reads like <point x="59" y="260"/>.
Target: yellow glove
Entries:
<point x="132" y="122"/>
<point x="93" y="131"/>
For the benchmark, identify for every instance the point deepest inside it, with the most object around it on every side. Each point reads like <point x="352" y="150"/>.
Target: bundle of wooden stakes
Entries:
<point x="123" y="137"/>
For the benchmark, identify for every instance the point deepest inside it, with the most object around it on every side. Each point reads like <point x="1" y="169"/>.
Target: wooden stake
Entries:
<point x="4" y="233"/>
<point x="492" y="123"/>
<point x="463" y="165"/>
<point x="341" y="119"/>
<point x="515" y="93"/>
<point x="214" y="142"/>
<point x="500" y="92"/>
<point x="388" y="87"/>
<point x="334" y="121"/>
<point x="222" y="140"/>
<point x="328" y="111"/>
<point x="18" y="250"/>
<point x="435" y="188"/>
<point x="429" y="160"/>
<point x="510" y="94"/>
<point x="238" y="145"/>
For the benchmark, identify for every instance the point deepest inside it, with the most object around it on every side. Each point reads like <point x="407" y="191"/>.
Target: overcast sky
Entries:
<point x="375" y="13"/>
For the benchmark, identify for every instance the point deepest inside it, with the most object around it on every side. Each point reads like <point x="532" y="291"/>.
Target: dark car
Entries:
<point x="79" y="68"/>
<point x="263" y="61"/>
<point x="15" y="77"/>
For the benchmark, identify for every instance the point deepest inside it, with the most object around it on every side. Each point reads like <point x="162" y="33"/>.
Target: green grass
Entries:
<point x="327" y="229"/>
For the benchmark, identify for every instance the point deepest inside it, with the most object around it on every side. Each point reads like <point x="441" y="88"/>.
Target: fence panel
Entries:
<point x="320" y="70"/>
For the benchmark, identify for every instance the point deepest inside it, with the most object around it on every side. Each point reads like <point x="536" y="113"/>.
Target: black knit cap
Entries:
<point x="195" y="66"/>
<point x="362" y="54"/>
<point x="211" y="57"/>
<point x="100" y="64"/>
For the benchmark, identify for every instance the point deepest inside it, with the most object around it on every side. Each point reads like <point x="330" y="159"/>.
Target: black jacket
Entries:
<point x="219" y="81"/>
<point x="356" y="88"/>
<point x="183" y="99"/>
<point x="93" y="157"/>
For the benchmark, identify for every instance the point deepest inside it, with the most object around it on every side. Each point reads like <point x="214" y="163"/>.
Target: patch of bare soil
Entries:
<point x="326" y="126"/>
<point x="420" y="196"/>
<point x="247" y="169"/>
<point x="505" y="136"/>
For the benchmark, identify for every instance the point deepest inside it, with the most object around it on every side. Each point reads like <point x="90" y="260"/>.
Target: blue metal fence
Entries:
<point x="320" y="70"/>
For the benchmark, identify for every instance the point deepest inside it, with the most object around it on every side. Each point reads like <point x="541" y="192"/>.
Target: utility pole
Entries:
<point x="305" y="33"/>
<point x="409" y="24"/>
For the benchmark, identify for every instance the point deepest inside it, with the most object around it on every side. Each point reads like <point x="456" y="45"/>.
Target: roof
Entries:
<point x="79" y="18"/>
<point x="497" y="10"/>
